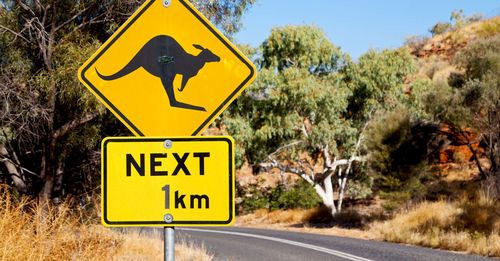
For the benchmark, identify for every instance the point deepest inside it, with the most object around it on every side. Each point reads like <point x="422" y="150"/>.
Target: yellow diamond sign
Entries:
<point x="177" y="181"/>
<point x="167" y="71"/>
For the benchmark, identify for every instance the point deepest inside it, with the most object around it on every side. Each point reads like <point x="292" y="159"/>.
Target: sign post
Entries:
<point x="169" y="243"/>
<point x="167" y="71"/>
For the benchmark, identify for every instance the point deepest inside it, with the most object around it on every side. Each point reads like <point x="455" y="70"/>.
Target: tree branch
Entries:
<point x="25" y="7"/>
<point x="276" y="164"/>
<point x="75" y="123"/>
<point x="284" y="147"/>
<point x="326" y="156"/>
<point x="14" y="33"/>
<point x="4" y="157"/>
<point x="483" y="174"/>
<point x="92" y="21"/>
<point x="304" y="130"/>
<point x="71" y="19"/>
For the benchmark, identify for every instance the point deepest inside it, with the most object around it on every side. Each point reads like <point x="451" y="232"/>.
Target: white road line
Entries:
<point x="285" y="241"/>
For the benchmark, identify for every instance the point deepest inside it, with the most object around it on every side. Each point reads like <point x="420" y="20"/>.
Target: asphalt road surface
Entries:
<point x="249" y="244"/>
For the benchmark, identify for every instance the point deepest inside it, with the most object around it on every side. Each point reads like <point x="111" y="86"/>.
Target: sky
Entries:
<point x="358" y="25"/>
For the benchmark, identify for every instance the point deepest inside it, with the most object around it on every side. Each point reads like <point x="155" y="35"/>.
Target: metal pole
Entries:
<point x="168" y="243"/>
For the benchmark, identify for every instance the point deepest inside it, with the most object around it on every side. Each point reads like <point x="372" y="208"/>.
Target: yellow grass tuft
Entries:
<point x="277" y="216"/>
<point x="286" y="216"/>
<point x="489" y="27"/>
<point x="29" y="231"/>
<point x="466" y="225"/>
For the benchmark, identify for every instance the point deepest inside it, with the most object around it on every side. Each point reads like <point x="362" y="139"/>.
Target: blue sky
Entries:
<point x="358" y="25"/>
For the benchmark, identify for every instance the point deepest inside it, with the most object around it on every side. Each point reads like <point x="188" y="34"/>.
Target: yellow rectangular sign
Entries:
<point x="167" y="181"/>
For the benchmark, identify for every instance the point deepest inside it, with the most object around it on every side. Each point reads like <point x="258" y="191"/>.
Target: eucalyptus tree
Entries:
<point x="307" y="110"/>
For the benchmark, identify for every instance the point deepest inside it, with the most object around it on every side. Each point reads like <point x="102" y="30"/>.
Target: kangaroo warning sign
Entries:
<point x="167" y="71"/>
<point x="178" y="181"/>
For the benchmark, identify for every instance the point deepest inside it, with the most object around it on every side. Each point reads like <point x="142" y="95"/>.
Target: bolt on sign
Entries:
<point x="177" y="181"/>
<point x="167" y="71"/>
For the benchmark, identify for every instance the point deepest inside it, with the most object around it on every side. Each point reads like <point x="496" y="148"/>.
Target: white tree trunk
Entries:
<point x="326" y="198"/>
<point x="15" y="173"/>
<point x="325" y="192"/>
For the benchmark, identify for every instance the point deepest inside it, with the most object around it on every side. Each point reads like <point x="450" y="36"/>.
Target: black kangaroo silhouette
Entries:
<point x="164" y="57"/>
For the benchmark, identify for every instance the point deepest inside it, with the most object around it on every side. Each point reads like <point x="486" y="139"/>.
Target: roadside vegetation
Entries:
<point x="69" y="231"/>
<point x="471" y="225"/>
<point x="400" y="143"/>
<point x="51" y="128"/>
<point x="414" y="132"/>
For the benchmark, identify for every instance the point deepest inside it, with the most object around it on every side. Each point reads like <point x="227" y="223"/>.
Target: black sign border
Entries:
<point x="212" y="116"/>
<point x="163" y="223"/>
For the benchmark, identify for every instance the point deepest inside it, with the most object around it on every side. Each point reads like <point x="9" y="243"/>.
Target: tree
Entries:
<point x="225" y="14"/>
<point x="473" y="101"/>
<point x="42" y="101"/>
<point x="50" y="124"/>
<point x="377" y="83"/>
<point x="296" y="116"/>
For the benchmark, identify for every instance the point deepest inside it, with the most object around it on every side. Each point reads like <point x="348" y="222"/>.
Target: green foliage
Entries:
<point x="49" y="120"/>
<point x="377" y="82"/>
<point x="359" y="187"/>
<point x="300" y="195"/>
<point x="413" y="98"/>
<point x="249" y="51"/>
<point x="399" y="150"/>
<point x="225" y="14"/>
<point x="480" y="59"/>
<point x="474" y="101"/>
<point x="301" y="47"/>
<point x="290" y="92"/>
<point x="444" y="104"/>
<point x="311" y="95"/>
<point x="284" y="98"/>
<point x="253" y="197"/>
<point x="466" y="102"/>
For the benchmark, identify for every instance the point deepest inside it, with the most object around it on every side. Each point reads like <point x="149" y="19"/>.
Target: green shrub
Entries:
<point x="390" y="206"/>
<point x="254" y="196"/>
<point x="359" y="187"/>
<point x="439" y="28"/>
<point x="400" y="150"/>
<point x="300" y="195"/>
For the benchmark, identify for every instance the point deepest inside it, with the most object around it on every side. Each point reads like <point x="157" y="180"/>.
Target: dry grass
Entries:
<point x="489" y="27"/>
<point x="287" y="216"/>
<point x="299" y="220"/>
<point x="469" y="225"/>
<point x="29" y="231"/>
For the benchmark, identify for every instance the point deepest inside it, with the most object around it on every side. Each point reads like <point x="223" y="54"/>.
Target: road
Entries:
<point x="251" y="244"/>
<point x="236" y="243"/>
